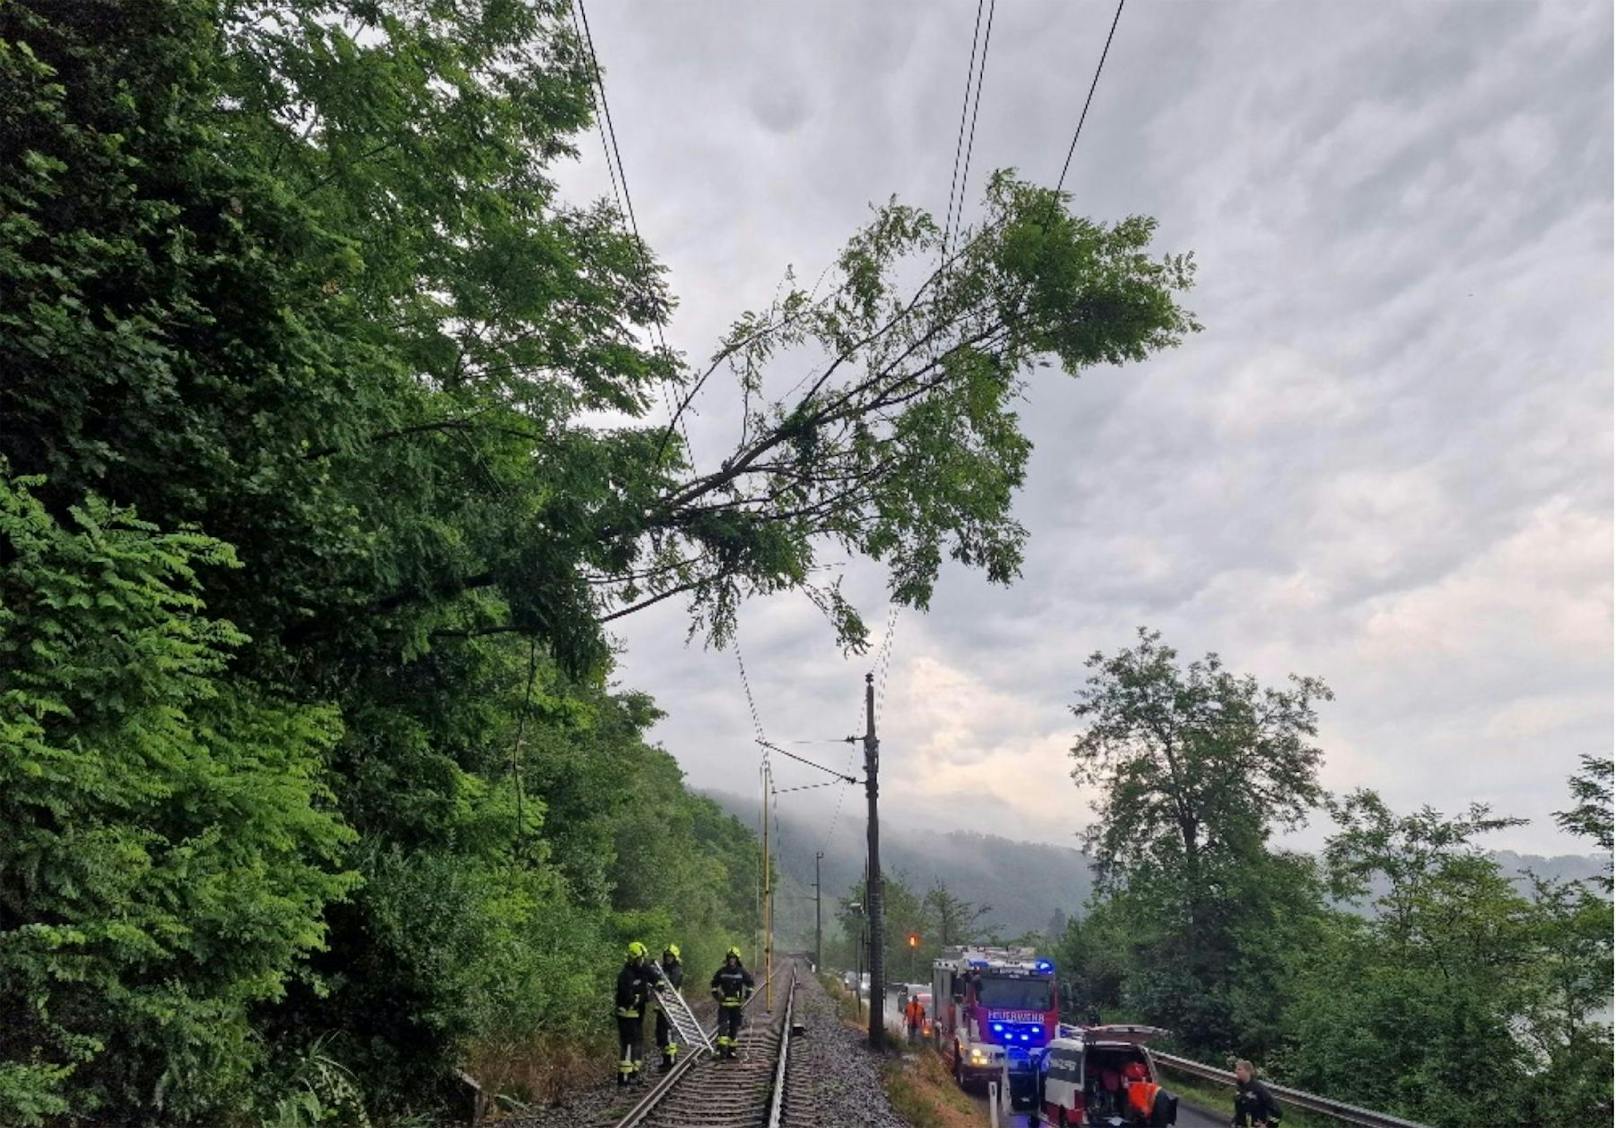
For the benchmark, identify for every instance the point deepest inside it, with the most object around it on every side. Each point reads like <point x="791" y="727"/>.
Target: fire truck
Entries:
<point x="996" y="1009"/>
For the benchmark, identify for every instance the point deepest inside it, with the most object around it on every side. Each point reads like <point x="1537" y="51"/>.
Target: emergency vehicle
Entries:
<point x="994" y="1008"/>
<point x="1103" y="1075"/>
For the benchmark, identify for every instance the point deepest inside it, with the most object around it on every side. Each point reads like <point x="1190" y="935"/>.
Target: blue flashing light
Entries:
<point x="1023" y="1037"/>
<point x="1044" y="966"/>
<point x="997" y="1026"/>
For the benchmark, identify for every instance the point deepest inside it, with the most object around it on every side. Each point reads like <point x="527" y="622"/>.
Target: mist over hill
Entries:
<point x="1026" y="883"/>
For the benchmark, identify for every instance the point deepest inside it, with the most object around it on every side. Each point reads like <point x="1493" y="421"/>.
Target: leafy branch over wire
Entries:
<point x="899" y="442"/>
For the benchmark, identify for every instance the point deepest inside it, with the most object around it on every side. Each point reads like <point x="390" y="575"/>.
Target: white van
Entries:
<point x="1103" y="1075"/>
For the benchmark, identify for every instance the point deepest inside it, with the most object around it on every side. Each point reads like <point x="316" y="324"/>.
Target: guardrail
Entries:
<point x="1296" y="1098"/>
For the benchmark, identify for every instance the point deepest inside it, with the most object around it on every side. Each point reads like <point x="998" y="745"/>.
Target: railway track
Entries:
<point x="704" y="1091"/>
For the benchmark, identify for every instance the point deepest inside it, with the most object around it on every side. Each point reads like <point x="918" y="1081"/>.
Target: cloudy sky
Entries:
<point x="1386" y="461"/>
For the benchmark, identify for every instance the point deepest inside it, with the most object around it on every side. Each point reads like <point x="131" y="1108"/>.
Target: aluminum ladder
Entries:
<point x="680" y="1016"/>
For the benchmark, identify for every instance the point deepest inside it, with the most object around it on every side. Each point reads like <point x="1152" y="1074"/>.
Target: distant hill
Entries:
<point x="1560" y="867"/>
<point x="1026" y="883"/>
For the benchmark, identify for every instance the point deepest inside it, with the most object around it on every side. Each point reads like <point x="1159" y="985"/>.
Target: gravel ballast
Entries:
<point x="832" y="1078"/>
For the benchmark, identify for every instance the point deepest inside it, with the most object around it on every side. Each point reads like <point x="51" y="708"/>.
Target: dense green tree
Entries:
<point x="1193" y="764"/>
<point x="902" y="914"/>
<point x="1195" y="768"/>
<point x="1482" y="999"/>
<point x="170" y="836"/>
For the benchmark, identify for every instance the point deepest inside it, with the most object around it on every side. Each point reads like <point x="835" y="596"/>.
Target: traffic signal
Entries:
<point x="914" y="939"/>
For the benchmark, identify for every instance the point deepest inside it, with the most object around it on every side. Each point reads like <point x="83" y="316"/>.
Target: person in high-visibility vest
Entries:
<point x="914" y="1016"/>
<point x="673" y="972"/>
<point x="732" y="986"/>
<point x="634" y="983"/>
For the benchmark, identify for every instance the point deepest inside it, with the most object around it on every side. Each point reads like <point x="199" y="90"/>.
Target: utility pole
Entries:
<point x="872" y="759"/>
<point x="768" y="894"/>
<point x="819" y="961"/>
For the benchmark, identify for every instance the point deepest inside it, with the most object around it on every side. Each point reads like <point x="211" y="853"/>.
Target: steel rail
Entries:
<point x="1296" y="1098"/>
<point x="648" y="1103"/>
<point x="777" y="1099"/>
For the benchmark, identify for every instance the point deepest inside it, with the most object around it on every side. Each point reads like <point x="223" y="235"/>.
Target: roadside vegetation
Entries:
<point x="922" y="1092"/>
<point x="1403" y="970"/>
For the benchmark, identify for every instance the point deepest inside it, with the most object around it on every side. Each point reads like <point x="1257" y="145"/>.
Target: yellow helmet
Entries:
<point x="671" y="950"/>
<point x="636" y="950"/>
<point x="733" y="951"/>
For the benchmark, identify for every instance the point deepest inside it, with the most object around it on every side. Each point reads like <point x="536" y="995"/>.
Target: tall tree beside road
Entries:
<point x="1194" y="765"/>
<point x="1194" y="768"/>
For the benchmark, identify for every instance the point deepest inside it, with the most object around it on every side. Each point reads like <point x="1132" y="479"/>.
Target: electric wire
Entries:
<point x="1078" y="132"/>
<point x="959" y="141"/>
<point x="976" y="105"/>
<point x="803" y="760"/>
<point x="614" y="166"/>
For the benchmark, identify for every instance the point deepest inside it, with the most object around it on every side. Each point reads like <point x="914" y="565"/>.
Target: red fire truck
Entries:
<point x="995" y="1008"/>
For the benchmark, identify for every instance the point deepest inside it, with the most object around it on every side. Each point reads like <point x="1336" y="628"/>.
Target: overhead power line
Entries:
<point x="845" y="778"/>
<point x="619" y="175"/>
<point x="1078" y="132"/>
<point x="974" y="72"/>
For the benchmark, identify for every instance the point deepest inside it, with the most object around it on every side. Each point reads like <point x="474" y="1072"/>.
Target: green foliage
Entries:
<point x="170" y="840"/>
<point x="1195" y="768"/>
<point x="1443" y="975"/>
<point x="1592" y="816"/>
<point x="951" y="919"/>
<point x="1455" y="997"/>
<point x="938" y="917"/>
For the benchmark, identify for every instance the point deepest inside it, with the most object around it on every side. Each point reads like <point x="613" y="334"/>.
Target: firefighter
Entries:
<point x="673" y="973"/>
<point x="732" y="986"/>
<point x="914" y="1017"/>
<point x="1253" y="1103"/>
<point x="633" y="992"/>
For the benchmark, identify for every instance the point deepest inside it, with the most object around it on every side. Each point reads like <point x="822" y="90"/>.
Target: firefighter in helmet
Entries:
<point x="732" y="986"/>
<point x="634" y="984"/>
<point x="673" y="973"/>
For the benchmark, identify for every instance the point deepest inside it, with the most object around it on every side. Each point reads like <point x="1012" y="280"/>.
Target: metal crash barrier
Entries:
<point x="1308" y="1102"/>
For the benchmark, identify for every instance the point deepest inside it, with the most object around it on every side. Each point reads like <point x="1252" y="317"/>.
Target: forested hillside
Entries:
<point x="1024" y="884"/>
<point x="332" y="443"/>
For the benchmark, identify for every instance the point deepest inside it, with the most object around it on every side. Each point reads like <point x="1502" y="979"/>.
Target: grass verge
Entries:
<point x="923" y="1093"/>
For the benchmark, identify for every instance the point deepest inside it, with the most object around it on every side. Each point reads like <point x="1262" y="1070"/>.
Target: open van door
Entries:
<point x="1127" y="1032"/>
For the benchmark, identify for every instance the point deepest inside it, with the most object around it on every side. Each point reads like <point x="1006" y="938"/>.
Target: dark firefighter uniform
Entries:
<point x="1254" y="1104"/>
<point x="732" y="986"/>
<point x="673" y="972"/>
<point x="633" y="995"/>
